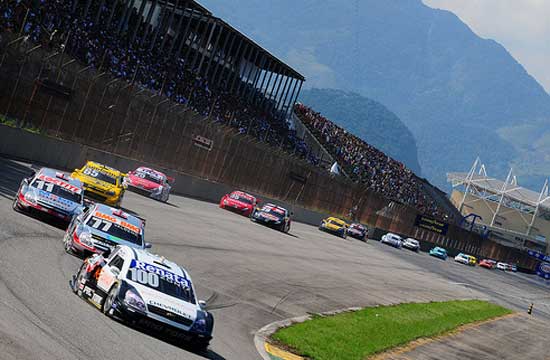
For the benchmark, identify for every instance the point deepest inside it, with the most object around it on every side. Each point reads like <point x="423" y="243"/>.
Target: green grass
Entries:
<point x="13" y="123"/>
<point x="356" y="335"/>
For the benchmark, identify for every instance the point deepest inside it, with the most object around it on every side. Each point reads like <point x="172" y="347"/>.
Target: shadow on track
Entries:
<point x="11" y="174"/>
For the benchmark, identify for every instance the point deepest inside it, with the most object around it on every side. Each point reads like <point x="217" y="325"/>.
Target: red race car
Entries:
<point x="149" y="182"/>
<point x="488" y="263"/>
<point x="239" y="202"/>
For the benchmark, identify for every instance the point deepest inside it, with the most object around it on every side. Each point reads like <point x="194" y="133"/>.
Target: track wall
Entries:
<point x="88" y="115"/>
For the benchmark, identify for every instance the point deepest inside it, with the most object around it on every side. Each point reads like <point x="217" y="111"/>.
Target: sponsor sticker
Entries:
<point x="60" y="183"/>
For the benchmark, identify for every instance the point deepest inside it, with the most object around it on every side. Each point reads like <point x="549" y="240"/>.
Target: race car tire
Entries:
<point x="200" y="345"/>
<point x="109" y="300"/>
<point x="78" y="278"/>
<point x="15" y="204"/>
<point x="67" y="244"/>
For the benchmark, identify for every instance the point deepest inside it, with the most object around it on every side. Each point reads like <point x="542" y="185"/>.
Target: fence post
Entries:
<point x="68" y="102"/>
<point x="85" y="102"/>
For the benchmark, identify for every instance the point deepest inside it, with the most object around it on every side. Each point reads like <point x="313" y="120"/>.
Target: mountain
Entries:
<point x="461" y="95"/>
<point x="366" y="119"/>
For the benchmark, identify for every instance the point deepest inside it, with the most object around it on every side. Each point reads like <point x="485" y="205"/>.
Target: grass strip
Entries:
<point x="359" y="334"/>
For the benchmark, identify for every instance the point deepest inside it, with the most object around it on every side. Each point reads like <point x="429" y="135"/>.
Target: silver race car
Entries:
<point x="50" y="192"/>
<point x="147" y="291"/>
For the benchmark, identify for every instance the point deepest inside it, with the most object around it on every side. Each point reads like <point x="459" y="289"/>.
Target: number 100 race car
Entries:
<point x="147" y="291"/>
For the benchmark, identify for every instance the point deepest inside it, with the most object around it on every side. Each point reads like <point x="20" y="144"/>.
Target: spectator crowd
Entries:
<point x="102" y="37"/>
<point x="100" y="34"/>
<point x="365" y="164"/>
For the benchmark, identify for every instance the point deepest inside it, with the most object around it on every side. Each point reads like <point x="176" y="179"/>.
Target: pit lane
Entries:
<point x="249" y="274"/>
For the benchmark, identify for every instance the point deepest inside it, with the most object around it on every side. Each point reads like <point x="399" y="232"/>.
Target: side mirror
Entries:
<point x="148" y="245"/>
<point x="26" y="181"/>
<point x="202" y="304"/>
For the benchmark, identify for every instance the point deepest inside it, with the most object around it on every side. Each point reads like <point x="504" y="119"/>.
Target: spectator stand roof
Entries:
<point x="505" y="193"/>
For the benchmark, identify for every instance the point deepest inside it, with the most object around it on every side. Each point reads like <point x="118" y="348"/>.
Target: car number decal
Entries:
<point x="141" y="272"/>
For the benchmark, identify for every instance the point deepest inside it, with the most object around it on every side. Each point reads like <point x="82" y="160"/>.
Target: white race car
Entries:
<point x="145" y="290"/>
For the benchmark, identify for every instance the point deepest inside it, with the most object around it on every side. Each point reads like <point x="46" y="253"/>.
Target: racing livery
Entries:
<point x="393" y="240"/>
<point x="411" y="244"/>
<point x="50" y="192"/>
<point x="101" y="183"/>
<point x="488" y="263"/>
<point x="147" y="291"/>
<point x="466" y="259"/>
<point x="335" y="226"/>
<point x="272" y="215"/>
<point x="439" y="252"/>
<point x="101" y="228"/>
<point x="357" y="231"/>
<point x="239" y="202"/>
<point x="149" y="182"/>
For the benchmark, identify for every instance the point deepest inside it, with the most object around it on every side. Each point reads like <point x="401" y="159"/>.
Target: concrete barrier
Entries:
<point x="60" y="154"/>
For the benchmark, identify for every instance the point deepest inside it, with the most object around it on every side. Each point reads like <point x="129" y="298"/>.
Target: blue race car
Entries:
<point x="439" y="253"/>
<point x="101" y="228"/>
<point x="50" y="192"/>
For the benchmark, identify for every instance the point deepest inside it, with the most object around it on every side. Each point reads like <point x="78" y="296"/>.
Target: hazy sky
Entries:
<point x="521" y="26"/>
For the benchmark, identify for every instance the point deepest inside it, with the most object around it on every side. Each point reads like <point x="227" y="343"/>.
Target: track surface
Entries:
<point x="250" y="275"/>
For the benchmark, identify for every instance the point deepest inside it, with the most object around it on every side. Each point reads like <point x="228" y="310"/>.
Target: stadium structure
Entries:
<point x="214" y="49"/>
<point x="502" y="210"/>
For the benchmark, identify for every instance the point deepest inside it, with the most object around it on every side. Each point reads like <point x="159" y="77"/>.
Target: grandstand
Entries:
<point x="505" y="211"/>
<point x="177" y="48"/>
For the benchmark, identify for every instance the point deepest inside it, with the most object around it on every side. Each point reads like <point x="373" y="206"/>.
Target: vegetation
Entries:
<point x="356" y="335"/>
<point x="4" y="120"/>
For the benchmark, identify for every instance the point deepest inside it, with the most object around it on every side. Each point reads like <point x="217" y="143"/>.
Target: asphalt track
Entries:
<point x="249" y="274"/>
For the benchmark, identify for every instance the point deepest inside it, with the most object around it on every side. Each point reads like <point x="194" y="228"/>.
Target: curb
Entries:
<point x="270" y="352"/>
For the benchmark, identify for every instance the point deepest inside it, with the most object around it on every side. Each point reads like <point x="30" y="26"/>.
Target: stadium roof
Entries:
<point x="511" y="190"/>
<point x="288" y="68"/>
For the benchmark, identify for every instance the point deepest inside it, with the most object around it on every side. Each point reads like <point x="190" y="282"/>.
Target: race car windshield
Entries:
<point x="149" y="177"/>
<point x="96" y="174"/>
<point x="179" y="289"/>
<point x="56" y="190"/>
<point x="334" y="222"/>
<point x="115" y="230"/>
<point x="240" y="198"/>
<point x="273" y="211"/>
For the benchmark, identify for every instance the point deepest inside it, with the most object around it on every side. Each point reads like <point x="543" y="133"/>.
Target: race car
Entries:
<point x="101" y="228"/>
<point x="393" y="240"/>
<point x="357" y="231"/>
<point x="50" y="192"/>
<point x="239" y="202"/>
<point x="411" y="244"/>
<point x="335" y="226"/>
<point x="101" y="183"/>
<point x="146" y="291"/>
<point x="502" y="266"/>
<point x="488" y="263"/>
<point x="150" y="183"/>
<point x="466" y="259"/>
<point x="272" y="215"/>
<point x="439" y="252"/>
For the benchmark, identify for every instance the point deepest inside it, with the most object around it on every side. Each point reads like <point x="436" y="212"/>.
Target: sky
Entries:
<point x="521" y="26"/>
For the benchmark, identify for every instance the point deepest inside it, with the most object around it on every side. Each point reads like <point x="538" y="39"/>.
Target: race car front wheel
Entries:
<point x="109" y="300"/>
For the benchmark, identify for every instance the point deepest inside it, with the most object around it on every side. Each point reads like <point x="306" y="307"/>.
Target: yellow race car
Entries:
<point x="335" y="226"/>
<point x="101" y="183"/>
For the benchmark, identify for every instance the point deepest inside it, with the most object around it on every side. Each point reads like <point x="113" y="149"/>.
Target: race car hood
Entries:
<point x="143" y="183"/>
<point x="355" y="231"/>
<point x="99" y="184"/>
<point x="333" y="226"/>
<point x="238" y="203"/>
<point x="54" y="201"/>
<point x="163" y="301"/>
<point x="268" y="216"/>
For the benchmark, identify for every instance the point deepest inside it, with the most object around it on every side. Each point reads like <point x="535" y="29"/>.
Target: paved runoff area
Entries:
<point x="251" y="276"/>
